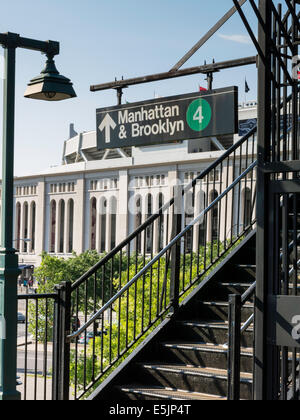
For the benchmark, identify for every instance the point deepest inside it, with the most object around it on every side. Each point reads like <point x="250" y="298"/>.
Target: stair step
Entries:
<point x="220" y="310"/>
<point x="203" y="354"/>
<point x="204" y="347"/>
<point x="250" y="266"/>
<point x="248" y="271"/>
<point x="213" y="332"/>
<point x="195" y="379"/>
<point x="157" y="393"/>
<point x="234" y="284"/>
<point x="195" y="370"/>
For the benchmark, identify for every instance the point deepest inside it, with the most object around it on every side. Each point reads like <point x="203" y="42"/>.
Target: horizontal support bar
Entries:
<point x="282" y="167"/>
<point x="34" y="296"/>
<point x="208" y="68"/>
<point x="285" y="187"/>
<point x="12" y="40"/>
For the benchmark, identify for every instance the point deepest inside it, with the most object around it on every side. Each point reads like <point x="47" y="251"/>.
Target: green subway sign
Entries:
<point x="165" y="120"/>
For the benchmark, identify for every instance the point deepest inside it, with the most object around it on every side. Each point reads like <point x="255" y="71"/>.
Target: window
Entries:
<point x="103" y="226"/>
<point x="247" y="207"/>
<point x="161" y="224"/>
<point x="214" y="218"/>
<point x="113" y="222"/>
<point x="33" y="219"/>
<point x="52" y="225"/>
<point x="18" y="225"/>
<point x="61" y="225"/>
<point x="138" y="221"/>
<point x="71" y="225"/>
<point x="202" y="225"/>
<point x="25" y="228"/>
<point x="149" y="231"/>
<point x="214" y="176"/>
<point x="93" y="222"/>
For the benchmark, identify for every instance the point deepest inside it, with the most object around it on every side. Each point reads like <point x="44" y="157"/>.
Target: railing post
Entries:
<point x="234" y="347"/>
<point x="61" y="356"/>
<point x="176" y="249"/>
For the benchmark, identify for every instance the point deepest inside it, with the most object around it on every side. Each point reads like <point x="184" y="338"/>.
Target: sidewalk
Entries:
<point x="38" y="388"/>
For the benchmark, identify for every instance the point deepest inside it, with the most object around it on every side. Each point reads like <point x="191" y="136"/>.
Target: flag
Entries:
<point x="247" y="89"/>
<point x="202" y="89"/>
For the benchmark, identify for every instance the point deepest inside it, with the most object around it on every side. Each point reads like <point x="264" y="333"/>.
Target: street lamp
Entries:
<point x="49" y="86"/>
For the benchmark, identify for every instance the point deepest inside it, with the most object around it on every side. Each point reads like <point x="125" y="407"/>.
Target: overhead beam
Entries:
<point x="208" y="68"/>
<point x="10" y="39"/>
<point x="207" y="36"/>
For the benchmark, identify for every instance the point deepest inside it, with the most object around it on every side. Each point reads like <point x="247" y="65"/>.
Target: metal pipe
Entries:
<point x="8" y="259"/>
<point x="208" y="68"/>
<point x="207" y="36"/>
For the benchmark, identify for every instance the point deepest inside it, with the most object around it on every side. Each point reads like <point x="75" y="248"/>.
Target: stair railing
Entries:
<point x="164" y="283"/>
<point x="236" y="329"/>
<point x="152" y="289"/>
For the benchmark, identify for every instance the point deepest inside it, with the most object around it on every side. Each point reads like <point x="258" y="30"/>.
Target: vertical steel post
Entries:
<point x="262" y="250"/>
<point x="234" y="347"/>
<point x="176" y="249"/>
<point x="56" y="348"/>
<point x="8" y="259"/>
<point x="63" y="330"/>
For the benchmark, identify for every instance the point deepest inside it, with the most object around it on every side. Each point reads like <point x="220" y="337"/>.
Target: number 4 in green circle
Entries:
<point x="199" y="114"/>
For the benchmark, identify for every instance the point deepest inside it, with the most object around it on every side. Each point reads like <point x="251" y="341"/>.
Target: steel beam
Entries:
<point x="205" y="69"/>
<point x="207" y="36"/>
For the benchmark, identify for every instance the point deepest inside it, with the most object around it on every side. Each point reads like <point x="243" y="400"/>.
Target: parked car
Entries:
<point x="21" y="318"/>
<point x="84" y="340"/>
<point x="90" y="336"/>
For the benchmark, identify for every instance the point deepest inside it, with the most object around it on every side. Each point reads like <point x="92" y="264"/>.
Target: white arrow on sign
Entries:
<point x="107" y="124"/>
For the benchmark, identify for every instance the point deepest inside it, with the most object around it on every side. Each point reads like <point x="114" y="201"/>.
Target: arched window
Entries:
<point x="93" y="222"/>
<point x="103" y="212"/>
<point x="202" y="224"/>
<point x="214" y="218"/>
<point x="71" y="225"/>
<point x="113" y="220"/>
<point x="161" y="223"/>
<point x="189" y="216"/>
<point x="52" y="225"/>
<point x="18" y="225"/>
<point x="138" y="221"/>
<point x="247" y="207"/>
<point x="32" y="224"/>
<point x="61" y="226"/>
<point x="25" y="227"/>
<point x="149" y="231"/>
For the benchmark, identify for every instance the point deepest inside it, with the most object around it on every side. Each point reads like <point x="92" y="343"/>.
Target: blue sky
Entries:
<point x="104" y="39"/>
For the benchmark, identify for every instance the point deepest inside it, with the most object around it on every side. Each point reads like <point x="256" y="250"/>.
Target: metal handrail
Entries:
<point x="160" y="254"/>
<point x="158" y="213"/>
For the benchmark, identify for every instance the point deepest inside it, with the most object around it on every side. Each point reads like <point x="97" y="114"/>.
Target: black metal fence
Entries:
<point x="36" y="350"/>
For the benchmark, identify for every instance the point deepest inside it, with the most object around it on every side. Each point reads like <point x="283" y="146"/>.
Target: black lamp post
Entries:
<point x="49" y="86"/>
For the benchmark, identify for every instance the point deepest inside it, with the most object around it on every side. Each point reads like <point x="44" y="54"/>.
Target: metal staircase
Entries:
<point x="187" y="359"/>
<point x="132" y="293"/>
